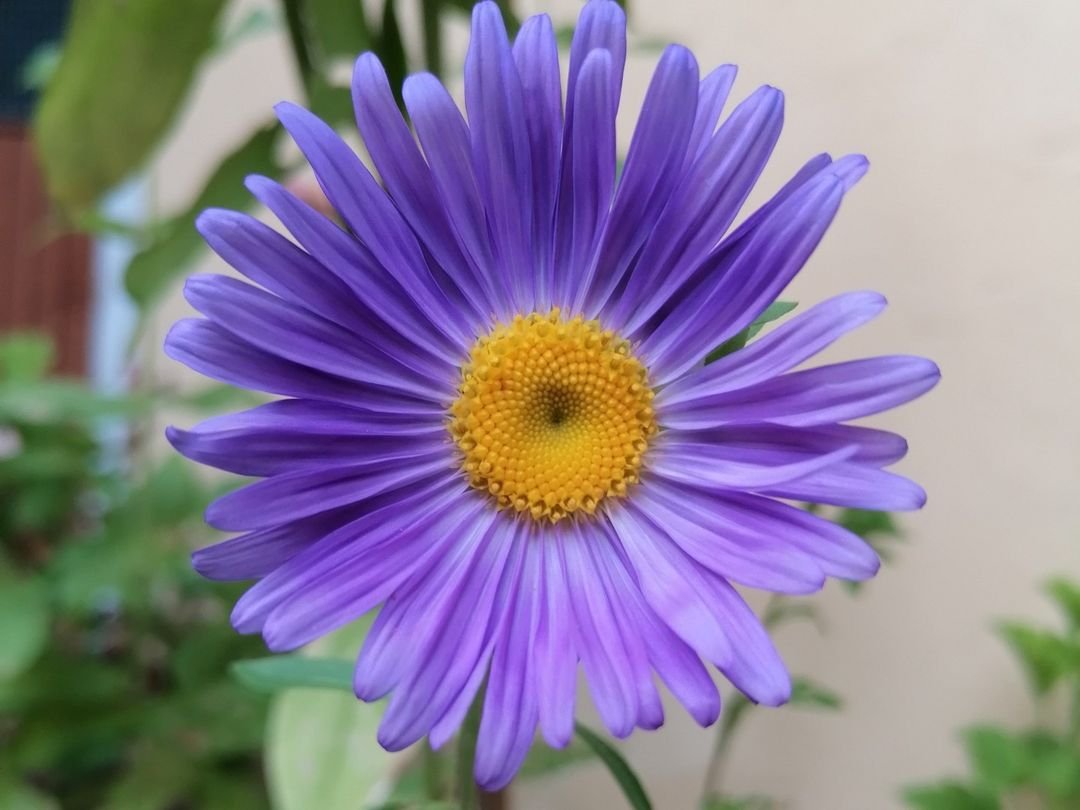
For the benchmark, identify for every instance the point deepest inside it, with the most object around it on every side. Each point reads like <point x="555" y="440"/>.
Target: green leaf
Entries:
<point x="178" y="243"/>
<point x="775" y="311"/>
<point x="618" y="767"/>
<point x="805" y="692"/>
<point x="781" y="611"/>
<point x="543" y="759"/>
<point x="279" y="672"/>
<point x="25" y="356"/>
<point x="321" y="750"/>
<point x="338" y="27"/>
<point x="868" y="523"/>
<point x="124" y="70"/>
<point x="1046" y="656"/>
<point x="999" y="759"/>
<point x="390" y="48"/>
<point x="950" y="796"/>
<point x="1055" y="765"/>
<point x="1067" y="596"/>
<point x="24" y="622"/>
<point x="15" y="795"/>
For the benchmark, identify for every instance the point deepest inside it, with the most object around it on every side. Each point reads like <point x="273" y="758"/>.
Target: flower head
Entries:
<point x="498" y="426"/>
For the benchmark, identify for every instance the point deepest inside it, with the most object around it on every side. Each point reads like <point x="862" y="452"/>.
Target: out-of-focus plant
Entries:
<point x="1037" y="766"/>
<point x="114" y="690"/>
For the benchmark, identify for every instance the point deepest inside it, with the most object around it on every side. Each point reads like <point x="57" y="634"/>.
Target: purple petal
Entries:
<point x="702" y="207"/>
<point x="500" y="148"/>
<point x="600" y="26"/>
<point x="556" y="656"/>
<point x="854" y="485"/>
<point x="510" y="714"/>
<point x="282" y="329"/>
<point x="585" y="195"/>
<point x="371" y="215"/>
<point x="779" y="351"/>
<point x="447" y="145"/>
<point x="213" y="352"/>
<point x="712" y="96"/>
<point x="684" y="458"/>
<point x="383" y="308"/>
<point x="404" y="512"/>
<point x="732" y="551"/>
<point x="816" y="396"/>
<point x="536" y="53"/>
<point x="657" y="150"/>
<point x="599" y="644"/>
<point x="294" y="495"/>
<point x="674" y="585"/>
<point x="408" y="179"/>
<point x="456" y="643"/>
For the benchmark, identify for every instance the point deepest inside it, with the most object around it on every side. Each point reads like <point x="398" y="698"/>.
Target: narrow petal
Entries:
<point x="500" y="148"/>
<point x="674" y="585"/>
<point x="273" y="262"/>
<point x="585" y="196"/>
<point x="857" y="486"/>
<point x="346" y="585"/>
<point x="656" y="151"/>
<point x="409" y="181"/>
<point x="294" y="495"/>
<point x="678" y="666"/>
<point x="256" y="554"/>
<point x="744" y="285"/>
<point x="412" y="510"/>
<point x="705" y="203"/>
<point x="391" y="647"/>
<point x="510" y="714"/>
<point x="781" y="350"/>
<point x="599" y="644"/>
<point x="712" y="96"/>
<point x="213" y="352"/>
<point x="285" y="330"/>
<point x="817" y="396"/>
<point x="373" y="218"/>
<point x="536" y="54"/>
<point x="450" y="655"/>
<point x="447" y="145"/>
<point x="384" y="307"/>
<point x="689" y="461"/>
<point x="556" y="655"/>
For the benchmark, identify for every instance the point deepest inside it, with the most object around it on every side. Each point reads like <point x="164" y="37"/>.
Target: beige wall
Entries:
<point x="968" y="223"/>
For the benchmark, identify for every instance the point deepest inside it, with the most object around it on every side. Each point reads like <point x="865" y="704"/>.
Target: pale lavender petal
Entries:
<point x="854" y="485"/>
<point x="556" y="655"/>
<point x="712" y="96"/>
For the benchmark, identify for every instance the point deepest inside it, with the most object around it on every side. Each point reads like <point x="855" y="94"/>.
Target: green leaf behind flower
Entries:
<point x="279" y="672"/>
<point x="145" y="55"/>
<point x="618" y="767"/>
<point x="177" y="243"/>
<point x="775" y="311"/>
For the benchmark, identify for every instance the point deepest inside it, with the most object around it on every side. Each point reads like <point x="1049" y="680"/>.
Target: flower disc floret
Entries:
<point x="553" y="415"/>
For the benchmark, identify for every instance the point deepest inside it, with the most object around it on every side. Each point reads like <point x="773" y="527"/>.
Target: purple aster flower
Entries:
<point x="498" y="426"/>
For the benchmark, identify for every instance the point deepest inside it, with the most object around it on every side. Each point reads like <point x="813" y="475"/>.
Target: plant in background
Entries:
<point x="114" y="691"/>
<point x="1036" y="767"/>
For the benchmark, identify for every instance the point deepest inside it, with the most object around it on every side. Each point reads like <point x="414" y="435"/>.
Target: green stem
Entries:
<point x="294" y="20"/>
<point x="733" y="713"/>
<point x="466" y="754"/>
<point x="433" y="54"/>
<point x="433" y="775"/>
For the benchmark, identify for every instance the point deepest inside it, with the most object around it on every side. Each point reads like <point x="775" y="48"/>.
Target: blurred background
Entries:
<point x="950" y="681"/>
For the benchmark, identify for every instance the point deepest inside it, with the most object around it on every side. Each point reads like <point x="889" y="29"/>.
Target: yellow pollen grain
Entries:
<point x="552" y="416"/>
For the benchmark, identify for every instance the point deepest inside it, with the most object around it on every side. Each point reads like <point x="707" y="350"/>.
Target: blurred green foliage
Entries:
<point x="114" y="685"/>
<point x="1035" y="767"/>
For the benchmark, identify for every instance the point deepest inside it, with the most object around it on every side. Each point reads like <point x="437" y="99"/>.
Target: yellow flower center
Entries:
<point x="552" y="415"/>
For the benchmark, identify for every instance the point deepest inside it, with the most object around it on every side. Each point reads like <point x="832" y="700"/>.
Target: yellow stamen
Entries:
<point x="552" y="416"/>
